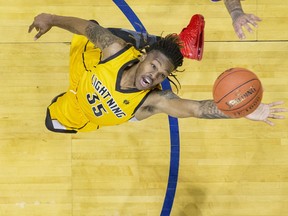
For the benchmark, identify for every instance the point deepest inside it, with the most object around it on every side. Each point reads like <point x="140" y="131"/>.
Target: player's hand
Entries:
<point x="244" y="21"/>
<point x="264" y="112"/>
<point x="42" y="23"/>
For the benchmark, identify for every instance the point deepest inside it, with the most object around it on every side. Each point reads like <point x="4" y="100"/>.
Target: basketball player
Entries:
<point x="111" y="82"/>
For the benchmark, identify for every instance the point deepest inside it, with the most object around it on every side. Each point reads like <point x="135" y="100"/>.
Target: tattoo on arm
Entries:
<point x="101" y="36"/>
<point x="168" y="94"/>
<point x="209" y="110"/>
<point x="233" y="6"/>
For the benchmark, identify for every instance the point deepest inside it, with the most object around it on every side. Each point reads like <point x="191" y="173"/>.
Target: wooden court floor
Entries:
<point x="227" y="167"/>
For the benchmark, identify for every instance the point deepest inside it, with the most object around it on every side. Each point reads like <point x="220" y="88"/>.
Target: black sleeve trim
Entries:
<point x="141" y="102"/>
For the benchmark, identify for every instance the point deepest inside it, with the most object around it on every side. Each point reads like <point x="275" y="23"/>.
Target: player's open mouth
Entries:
<point x="146" y="81"/>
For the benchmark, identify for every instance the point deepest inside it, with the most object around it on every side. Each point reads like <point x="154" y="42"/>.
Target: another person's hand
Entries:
<point x="42" y="23"/>
<point x="244" y="20"/>
<point x="264" y="112"/>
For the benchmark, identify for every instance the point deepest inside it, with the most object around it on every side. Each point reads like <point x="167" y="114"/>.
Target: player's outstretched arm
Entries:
<point x="169" y="103"/>
<point x="100" y="36"/>
<point x="240" y="19"/>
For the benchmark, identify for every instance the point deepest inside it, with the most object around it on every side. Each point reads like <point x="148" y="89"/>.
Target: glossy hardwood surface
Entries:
<point x="227" y="167"/>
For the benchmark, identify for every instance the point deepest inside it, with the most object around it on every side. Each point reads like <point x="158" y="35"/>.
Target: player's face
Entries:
<point x="152" y="70"/>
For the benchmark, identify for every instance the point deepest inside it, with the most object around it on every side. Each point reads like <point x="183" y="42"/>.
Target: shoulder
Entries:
<point x="104" y="39"/>
<point x="112" y="49"/>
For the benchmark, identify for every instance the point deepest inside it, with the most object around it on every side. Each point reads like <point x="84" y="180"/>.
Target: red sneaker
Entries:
<point x="193" y="38"/>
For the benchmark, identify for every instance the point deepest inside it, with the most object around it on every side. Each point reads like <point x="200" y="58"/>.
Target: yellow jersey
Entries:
<point x="97" y="97"/>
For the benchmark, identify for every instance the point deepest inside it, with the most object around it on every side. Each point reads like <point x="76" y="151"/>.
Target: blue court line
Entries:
<point x="173" y="122"/>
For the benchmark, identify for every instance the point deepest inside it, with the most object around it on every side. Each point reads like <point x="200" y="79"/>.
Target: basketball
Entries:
<point x="237" y="92"/>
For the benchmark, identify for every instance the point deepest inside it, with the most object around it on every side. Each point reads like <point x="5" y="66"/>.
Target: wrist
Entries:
<point x="236" y="13"/>
<point x="54" y="19"/>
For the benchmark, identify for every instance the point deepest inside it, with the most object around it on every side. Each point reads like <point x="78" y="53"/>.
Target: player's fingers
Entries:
<point x="239" y="32"/>
<point x="279" y="117"/>
<point x="256" y="18"/>
<point x="39" y="34"/>
<point x="247" y="27"/>
<point x="31" y="27"/>
<point x="268" y="122"/>
<point x="274" y="116"/>
<point x="252" y="22"/>
<point x="276" y="103"/>
<point x="278" y="110"/>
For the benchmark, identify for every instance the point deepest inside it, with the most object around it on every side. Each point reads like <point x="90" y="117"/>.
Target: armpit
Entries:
<point x="134" y="119"/>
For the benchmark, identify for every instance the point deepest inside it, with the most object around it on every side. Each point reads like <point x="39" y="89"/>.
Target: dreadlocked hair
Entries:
<point x="170" y="46"/>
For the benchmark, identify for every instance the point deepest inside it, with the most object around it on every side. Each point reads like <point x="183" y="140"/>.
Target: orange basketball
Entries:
<point x="237" y="92"/>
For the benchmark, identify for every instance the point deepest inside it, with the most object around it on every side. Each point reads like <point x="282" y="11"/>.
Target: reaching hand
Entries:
<point x="266" y="111"/>
<point x="42" y="23"/>
<point x="244" y="20"/>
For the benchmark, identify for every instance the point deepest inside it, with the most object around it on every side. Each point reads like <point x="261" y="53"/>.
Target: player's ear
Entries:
<point x="142" y="57"/>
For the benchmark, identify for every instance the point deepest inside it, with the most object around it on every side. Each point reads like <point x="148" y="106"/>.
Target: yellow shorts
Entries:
<point x="65" y="113"/>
